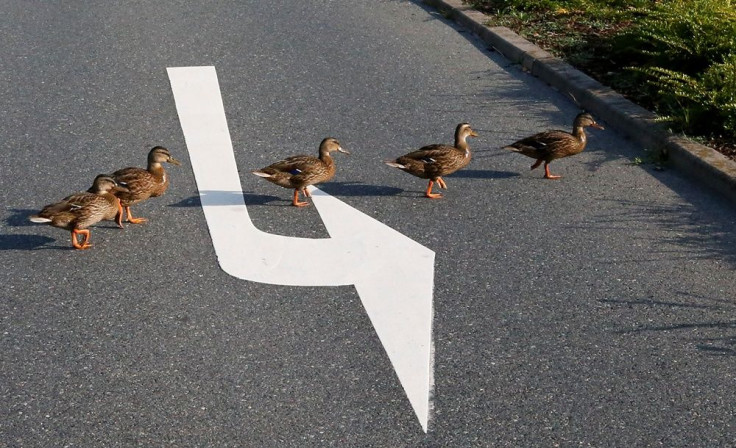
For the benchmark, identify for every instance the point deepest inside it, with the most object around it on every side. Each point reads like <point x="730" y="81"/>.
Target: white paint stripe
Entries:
<point x="394" y="275"/>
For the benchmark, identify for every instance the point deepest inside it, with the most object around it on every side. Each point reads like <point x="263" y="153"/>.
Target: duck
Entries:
<point x="555" y="144"/>
<point x="144" y="183"/>
<point x="434" y="161"/>
<point x="300" y="171"/>
<point x="78" y="211"/>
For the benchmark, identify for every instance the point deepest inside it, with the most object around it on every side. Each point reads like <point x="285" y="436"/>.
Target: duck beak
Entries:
<point x="473" y="133"/>
<point x="339" y="148"/>
<point x="597" y="126"/>
<point x="121" y="187"/>
<point x="174" y="161"/>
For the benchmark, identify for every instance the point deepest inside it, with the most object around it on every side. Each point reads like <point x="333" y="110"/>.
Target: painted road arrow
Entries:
<point x="393" y="275"/>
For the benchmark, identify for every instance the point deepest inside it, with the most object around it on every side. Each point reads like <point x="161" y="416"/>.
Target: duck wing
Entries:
<point x="293" y="165"/>
<point x="139" y="182"/>
<point x="544" y="144"/>
<point x="434" y="160"/>
<point x="51" y="210"/>
<point x="428" y="154"/>
<point x="71" y="205"/>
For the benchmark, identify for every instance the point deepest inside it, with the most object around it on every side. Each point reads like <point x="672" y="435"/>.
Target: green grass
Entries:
<point x="675" y="57"/>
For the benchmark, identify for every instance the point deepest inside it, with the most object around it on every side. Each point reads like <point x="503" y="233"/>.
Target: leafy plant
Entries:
<point x="695" y="32"/>
<point x="684" y="52"/>
<point x="699" y="102"/>
<point x="689" y="61"/>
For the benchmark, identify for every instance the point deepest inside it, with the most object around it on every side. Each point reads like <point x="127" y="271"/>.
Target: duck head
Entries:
<point x="463" y="131"/>
<point x="103" y="183"/>
<point x="159" y="154"/>
<point x="329" y="145"/>
<point x="584" y="120"/>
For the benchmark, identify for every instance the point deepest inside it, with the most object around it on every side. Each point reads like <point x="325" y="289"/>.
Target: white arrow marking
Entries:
<point x="394" y="275"/>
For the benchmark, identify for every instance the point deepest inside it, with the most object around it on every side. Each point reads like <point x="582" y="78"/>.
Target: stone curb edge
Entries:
<point x="693" y="159"/>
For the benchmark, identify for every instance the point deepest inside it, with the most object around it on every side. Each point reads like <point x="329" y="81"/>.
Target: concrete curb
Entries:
<point x="698" y="161"/>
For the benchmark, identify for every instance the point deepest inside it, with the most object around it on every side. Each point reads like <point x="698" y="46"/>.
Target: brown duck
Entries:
<point x="81" y="210"/>
<point x="434" y="161"/>
<point x="299" y="172"/>
<point x="550" y="145"/>
<point x="143" y="184"/>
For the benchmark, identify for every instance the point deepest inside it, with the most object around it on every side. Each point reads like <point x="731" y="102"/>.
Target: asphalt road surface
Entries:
<point x="597" y="310"/>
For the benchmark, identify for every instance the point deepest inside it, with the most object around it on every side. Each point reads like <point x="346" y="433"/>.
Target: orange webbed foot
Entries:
<point x="85" y="239"/>
<point x="296" y="202"/>
<point x="133" y="220"/>
<point x="429" y="193"/>
<point x="547" y="174"/>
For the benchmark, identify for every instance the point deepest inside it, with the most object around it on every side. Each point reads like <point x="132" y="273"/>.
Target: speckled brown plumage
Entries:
<point x="144" y="183"/>
<point x="550" y="145"/>
<point x="299" y="172"/>
<point x="78" y="211"/>
<point x="434" y="161"/>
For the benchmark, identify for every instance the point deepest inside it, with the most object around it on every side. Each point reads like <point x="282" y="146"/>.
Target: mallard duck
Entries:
<point x="81" y="210"/>
<point x="299" y="172"/>
<point x="550" y="145"/>
<point x="434" y="161"/>
<point x="143" y="184"/>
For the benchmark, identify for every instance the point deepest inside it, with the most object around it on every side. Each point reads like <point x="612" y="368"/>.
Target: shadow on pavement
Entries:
<point x="24" y="242"/>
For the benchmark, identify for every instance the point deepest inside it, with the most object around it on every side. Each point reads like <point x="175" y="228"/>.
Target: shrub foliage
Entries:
<point x="677" y="57"/>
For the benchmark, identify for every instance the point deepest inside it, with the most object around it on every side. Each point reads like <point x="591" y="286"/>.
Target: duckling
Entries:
<point x="143" y="184"/>
<point x="299" y="172"/>
<point x="434" y="161"/>
<point x="550" y="145"/>
<point x="81" y="210"/>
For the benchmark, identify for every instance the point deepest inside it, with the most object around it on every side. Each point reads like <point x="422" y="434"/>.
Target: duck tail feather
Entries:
<point x="395" y="164"/>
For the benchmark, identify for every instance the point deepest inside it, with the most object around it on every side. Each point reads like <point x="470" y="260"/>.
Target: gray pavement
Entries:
<point x="597" y="310"/>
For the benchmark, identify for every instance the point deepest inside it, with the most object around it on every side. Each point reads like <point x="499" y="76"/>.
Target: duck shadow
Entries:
<point x="229" y="198"/>
<point x="192" y="201"/>
<point x="483" y="174"/>
<point x="25" y="242"/>
<point x="216" y="198"/>
<point x="19" y="217"/>
<point x="358" y="189"/>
